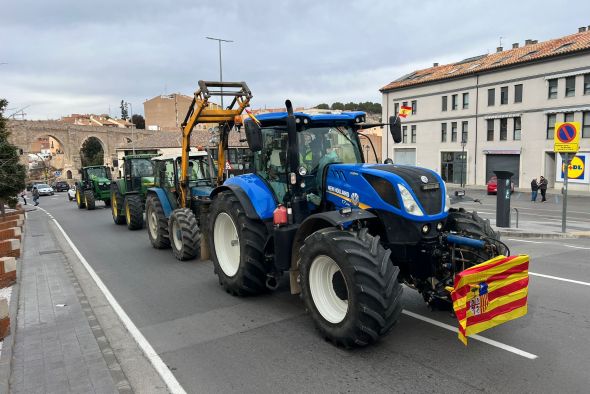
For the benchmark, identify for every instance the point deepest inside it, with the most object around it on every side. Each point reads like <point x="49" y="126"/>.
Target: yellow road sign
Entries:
<point x="566" y="137"/>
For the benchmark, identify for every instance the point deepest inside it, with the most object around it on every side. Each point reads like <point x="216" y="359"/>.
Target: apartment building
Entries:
<point x="496" y="112"/>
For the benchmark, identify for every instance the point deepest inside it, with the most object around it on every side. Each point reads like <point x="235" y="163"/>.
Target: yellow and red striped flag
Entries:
<point x="404" y="111"/>
<point x="490" y="293"/>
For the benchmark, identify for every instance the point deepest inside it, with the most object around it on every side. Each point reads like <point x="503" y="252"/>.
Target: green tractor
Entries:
<point x="94" y="185"/>
<point x="128" y="193"/>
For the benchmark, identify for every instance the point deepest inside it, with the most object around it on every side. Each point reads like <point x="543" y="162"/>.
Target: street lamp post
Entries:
<point x="463" y="161"/>
<point x="219" y="41"/>
<point x="132" y="129"/>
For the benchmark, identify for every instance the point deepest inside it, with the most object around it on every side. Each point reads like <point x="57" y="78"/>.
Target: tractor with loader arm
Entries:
<point x="95" y="185"/>
<point x="177" y="205"/>
<point x="128" y="193"/>
<point x="347" y="233"/>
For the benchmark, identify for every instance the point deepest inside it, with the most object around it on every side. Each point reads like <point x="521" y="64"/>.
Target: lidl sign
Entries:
<point x="577" y="171"/>
<point x="567" y="137"/>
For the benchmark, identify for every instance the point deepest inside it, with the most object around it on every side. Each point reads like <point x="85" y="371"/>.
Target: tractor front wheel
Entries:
<point x="185" y="235"/>
<point x="157" y="223"/>
<point x="237" y="244"/>
<point x="349" y="286"/>
<point x="80" y="199"/>
<point x="116" y="205"/>
<point x="134" y="211"/>
<point x="89" y="200"/>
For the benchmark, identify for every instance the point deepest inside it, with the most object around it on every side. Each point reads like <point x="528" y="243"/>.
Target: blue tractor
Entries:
<point x="348" y="233"/>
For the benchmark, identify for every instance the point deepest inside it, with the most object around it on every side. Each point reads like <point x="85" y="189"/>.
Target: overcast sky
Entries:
<point x="65" y="56"/>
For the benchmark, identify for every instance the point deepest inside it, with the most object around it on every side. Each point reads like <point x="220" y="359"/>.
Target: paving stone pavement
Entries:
<point x="59" y="345"/>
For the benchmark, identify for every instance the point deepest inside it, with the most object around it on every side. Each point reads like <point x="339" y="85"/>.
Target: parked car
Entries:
<point x="44" y="189"/>
<point x="493" y="185"/>
<point x="72" y="193"/>
<point x="61" y="186"/>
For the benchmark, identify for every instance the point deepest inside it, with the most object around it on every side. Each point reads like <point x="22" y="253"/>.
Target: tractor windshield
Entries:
<point x="98" y="172"/>
<point x="199" y="172"/>
<point x="142" y="168"/>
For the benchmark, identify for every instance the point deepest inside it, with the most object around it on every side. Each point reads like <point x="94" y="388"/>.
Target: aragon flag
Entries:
<point x="404" y="111"/>
<point x="490" y="293"/>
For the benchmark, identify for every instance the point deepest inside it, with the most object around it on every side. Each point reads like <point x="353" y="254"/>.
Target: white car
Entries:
<point x="44" y="189"/>
<point x="72" y="193"/>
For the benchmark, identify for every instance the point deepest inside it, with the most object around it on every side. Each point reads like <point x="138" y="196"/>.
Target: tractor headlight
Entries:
<point x="410" y="204"/>
<point x="447" y="198"/>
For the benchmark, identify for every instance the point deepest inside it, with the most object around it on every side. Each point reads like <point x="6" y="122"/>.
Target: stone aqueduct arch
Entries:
<point x="71" y="137"/>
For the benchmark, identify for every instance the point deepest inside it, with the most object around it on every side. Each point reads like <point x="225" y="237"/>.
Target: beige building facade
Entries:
<point x="503" y="107"/>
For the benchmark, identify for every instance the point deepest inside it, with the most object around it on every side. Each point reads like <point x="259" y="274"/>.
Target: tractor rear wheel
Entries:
<point x="80" y="199"/>
<point x="349" y="286"/>
<point x="472" y="225"/>
<point x="236" y="244"/>
<point x="89" y="200"/>
<point x="185" y="236"/>
<point x="116" y="205"/>
<point x="157" y="223"/>
<point x="134" y="211"/>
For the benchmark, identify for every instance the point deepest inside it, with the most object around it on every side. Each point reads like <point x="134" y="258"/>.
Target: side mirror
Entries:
<point x="388" y="161"/>
<point x="253" y="136"/>
<point x="395" y="128"/>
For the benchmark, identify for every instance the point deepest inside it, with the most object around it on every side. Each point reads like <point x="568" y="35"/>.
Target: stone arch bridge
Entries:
<point x="71" y="137"/>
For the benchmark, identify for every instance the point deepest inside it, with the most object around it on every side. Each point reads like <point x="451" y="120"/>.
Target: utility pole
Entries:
<point x="219" y="41"/>
<point x="132" y="128"/>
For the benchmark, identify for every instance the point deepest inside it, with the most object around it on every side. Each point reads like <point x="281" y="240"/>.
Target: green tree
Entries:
<point x="337" y="106"/>
<point x="92" y="153"/>
<point x="124" y="112"/>
<point x="323" y="106"/>
<point x="12" y="173"/>
<point x="138" y="121"/>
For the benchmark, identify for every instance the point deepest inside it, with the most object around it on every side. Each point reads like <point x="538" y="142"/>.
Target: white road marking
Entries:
<point x="549" y="243"/>
<point x="170" y="380"/>
<point x="560" y="279"/>
<point x="491" y="342"/>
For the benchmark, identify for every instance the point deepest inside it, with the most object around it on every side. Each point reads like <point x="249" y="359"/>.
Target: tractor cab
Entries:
<point x="138" y="172"/>
<point x="95" y="184"/>
<point x="96" y="173"/>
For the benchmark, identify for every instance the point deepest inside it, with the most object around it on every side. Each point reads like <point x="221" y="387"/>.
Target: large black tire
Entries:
<point x="472" y="225"/>
<point x="107" y="202"/>
<point x="117" y="206"/>
<point x="134" y="211"/>
<point x="362" y="301"/>
<point x="80" y="199"/>
<point x="89" y="200"/>
<point x="185" y="235"/>
<point x="157" y="223"/>
<point x="236" y="244"/>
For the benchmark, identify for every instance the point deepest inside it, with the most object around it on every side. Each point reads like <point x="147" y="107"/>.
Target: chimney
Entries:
<point x="435" y="65"/>
<point x="535" y="41"/>
<point x="515" y="45"/>
<point x="582" y="29"/>
<point x="528" y="42"/>
<point x="499" y="49"/>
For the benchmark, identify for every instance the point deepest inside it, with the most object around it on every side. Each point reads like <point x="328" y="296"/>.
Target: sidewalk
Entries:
<point x="59" y="346"/>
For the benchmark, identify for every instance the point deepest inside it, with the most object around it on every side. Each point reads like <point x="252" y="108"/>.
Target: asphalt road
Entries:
<point x="217" y="343"/>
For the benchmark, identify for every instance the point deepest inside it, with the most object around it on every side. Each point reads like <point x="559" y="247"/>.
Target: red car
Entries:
<point x="493" y="185"/>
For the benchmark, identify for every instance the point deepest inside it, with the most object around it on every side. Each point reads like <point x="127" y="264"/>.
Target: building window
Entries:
<point x="552" y="93"/>
<point x="504" y="95"/>
<point x="570" y="86"/>
<point x="454" y="132"/>
<point x="586" y="125"/>
<point x="414" y="107"/>
<point x="587" y="84"/>
<point x="491" y="97"/>
<point x="453" y="167"/>
<point x="396" y="109"/>
<point x="454" y="102"/>
<point x="503" y="129"/>
<point x="443" y="132"/>
<point x="517" y="127"/>
<point x="404" y="134"/>
<point x="568" y="117"/>
<point x="405" y="104"/>
<point x="518" y="93"/>
<point x="550" y="126"/>
<point x="464" y="127"/>
<point x="413" y="127"/>
<point x="490" y="129"/>
<point x="465" y="100"/>
<point x="444" y="103"/>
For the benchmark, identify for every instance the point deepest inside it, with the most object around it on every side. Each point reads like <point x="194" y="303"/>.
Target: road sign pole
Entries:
<point x="566" y="158"/>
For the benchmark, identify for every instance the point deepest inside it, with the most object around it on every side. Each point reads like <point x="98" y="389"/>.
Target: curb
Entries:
<point x="518" y="234"/>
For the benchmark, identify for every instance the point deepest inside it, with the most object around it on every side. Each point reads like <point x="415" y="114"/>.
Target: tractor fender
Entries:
<point x="256" y="198"/>
<point x="314" y="223"/>
<point x="161" y="195"/>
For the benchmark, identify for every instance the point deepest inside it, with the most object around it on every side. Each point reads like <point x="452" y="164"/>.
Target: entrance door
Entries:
<point x="550" y="169"/>
<point x="503" y="163"/>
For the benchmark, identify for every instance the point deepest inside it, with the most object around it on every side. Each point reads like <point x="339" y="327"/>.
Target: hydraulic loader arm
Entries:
<point x="200" y="112"/>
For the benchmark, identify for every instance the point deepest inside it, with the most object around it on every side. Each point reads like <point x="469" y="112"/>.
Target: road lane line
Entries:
<point x="159" y="365"/>
<point x="549" y="243"/>
<point x="491" y="342"/>
<point x="560" y="279"/>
